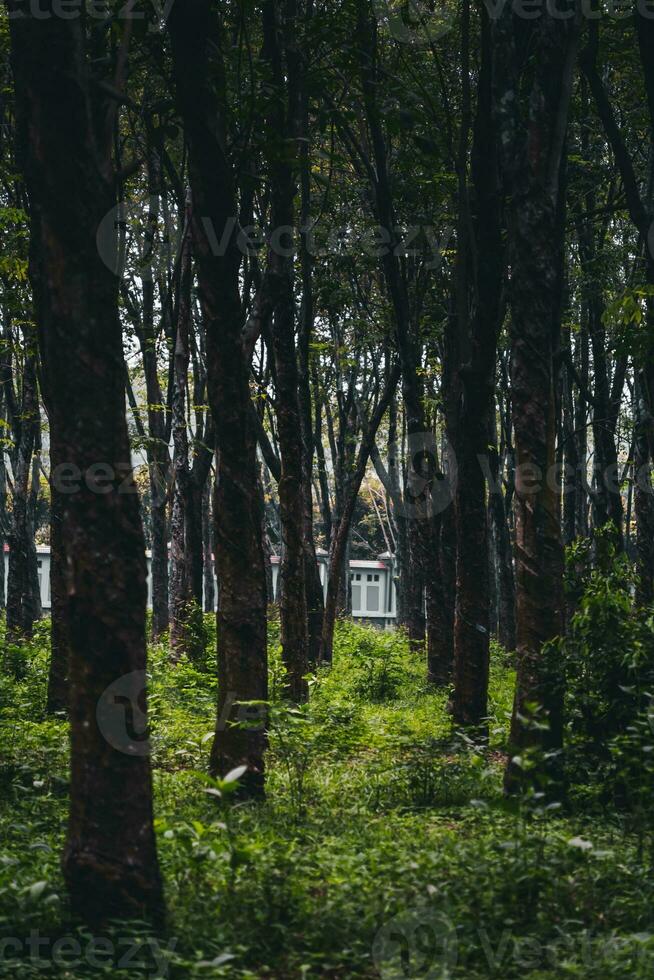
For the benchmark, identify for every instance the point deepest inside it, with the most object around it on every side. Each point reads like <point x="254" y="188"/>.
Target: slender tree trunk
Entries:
<point x="157" y="445"/>
<point x="323" y="484"/>
<point x="186" y="632"/>
<point x="238" y="506"/>
<point x="477" y="343"/>
<point x="283" y="123"/>
<point x="207" y="551"/>
<point x="32" y="508"/>
<point x="313" y="586"/>
<point x="607" y="498"/>
<point x="503" y="558"/>
<point x="581" y="438"/>
<point x="571" y="472"/>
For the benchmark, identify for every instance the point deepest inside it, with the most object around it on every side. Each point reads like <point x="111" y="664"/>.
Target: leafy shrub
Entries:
<point x="609" y="651"/>
<point x="374" y="661"/>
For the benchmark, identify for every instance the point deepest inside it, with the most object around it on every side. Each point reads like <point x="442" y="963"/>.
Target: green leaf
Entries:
<point x="37" y="889"/>
<point x="235" y="774"/>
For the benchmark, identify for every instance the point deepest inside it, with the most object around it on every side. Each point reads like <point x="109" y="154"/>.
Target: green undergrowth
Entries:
<point x="384" y="847"/>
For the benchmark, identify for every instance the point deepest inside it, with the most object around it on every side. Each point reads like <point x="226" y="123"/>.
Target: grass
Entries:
<point x="384" y="847"/>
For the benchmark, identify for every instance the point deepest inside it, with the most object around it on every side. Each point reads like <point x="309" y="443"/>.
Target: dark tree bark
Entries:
<point x="240" y="565"/>
<point x="65" y="126"/>
<point x="279" y="51"/>
<point x="531" y="102"/>
<point x="312" y="584"/>
<point x="502" y="555"/>
<point x="477" y="342"/>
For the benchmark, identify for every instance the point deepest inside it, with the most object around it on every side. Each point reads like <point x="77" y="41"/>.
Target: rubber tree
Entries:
<point x="283" y="111"/>
<point x="198" y="38"/>
<point x="533" y="66"/>
<point x="472" y="348"/>
<point x="65" y="129"/>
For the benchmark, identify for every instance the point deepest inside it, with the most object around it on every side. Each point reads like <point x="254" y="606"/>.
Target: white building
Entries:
<point x="371" y="583"/>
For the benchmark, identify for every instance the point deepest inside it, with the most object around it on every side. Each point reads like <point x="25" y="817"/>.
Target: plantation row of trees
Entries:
<point x="280" y="251"/>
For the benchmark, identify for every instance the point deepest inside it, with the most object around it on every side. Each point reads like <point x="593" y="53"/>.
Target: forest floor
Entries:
<point x="384" y="848"/>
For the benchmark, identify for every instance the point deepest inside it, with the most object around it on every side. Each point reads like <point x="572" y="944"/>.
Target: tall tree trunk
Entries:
<point x="283" y="131"/>
<point x="531" y="101"/>
<point x="238" y="506"/>
<point x="477" y="343"/>
<point x="110" y="860"/>
<point x="312" y="583"/>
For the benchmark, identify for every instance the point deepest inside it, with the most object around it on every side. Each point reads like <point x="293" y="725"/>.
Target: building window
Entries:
<point x="372" y="598"/>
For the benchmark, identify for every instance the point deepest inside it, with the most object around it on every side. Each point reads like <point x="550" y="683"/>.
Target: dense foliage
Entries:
<point x="381" y="828"/>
